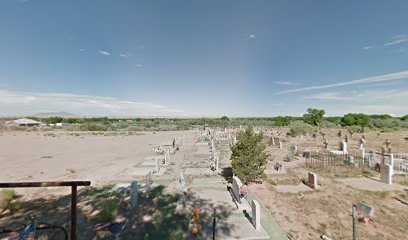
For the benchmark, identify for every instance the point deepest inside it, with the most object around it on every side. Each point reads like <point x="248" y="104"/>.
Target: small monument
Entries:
<point x="386" y="173"/>
<point x="148" y="180"/>
<point x="134" y="194"/>
<point x="236" y="185"/>
<point x="256" y="214"/>
<point x="312" y="180"/>
<point x="182" y="182"/>
<point x="157" y="165"/>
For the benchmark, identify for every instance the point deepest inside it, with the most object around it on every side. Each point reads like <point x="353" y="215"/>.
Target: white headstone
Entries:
<point x="256" y="214"/>
<point x="134" y="193"/>
<point x="344" y="147"/>
<point x="363" y="154"/>
<point x="273" y="141"/>
<point x="148" y="179"/>
<point x="236" y="185"/>
<point x="280" y="144"/>
<point x="157" y="165"/>
<point x="386" y="173"/>
<point x="312" y="180"/>
<point x="182" y="182"/>
<point x="217" y="163"/>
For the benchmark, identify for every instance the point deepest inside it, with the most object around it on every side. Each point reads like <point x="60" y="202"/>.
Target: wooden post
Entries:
<point x="73" y="212"/>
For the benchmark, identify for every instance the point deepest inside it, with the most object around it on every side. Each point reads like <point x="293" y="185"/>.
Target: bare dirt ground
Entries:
<point x="58" y="155"/>
<point x="309" y="214"/>
<point x="103" y="157"/>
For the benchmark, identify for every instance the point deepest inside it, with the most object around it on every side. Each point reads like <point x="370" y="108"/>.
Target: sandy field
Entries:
<point x="301" y="212"/>
<point x="58" y="155"/>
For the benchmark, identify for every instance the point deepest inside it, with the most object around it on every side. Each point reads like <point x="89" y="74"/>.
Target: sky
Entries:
<point x="203" y="58"/>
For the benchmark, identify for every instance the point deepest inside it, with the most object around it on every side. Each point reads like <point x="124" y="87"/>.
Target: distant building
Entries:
<point x="62" y="124"/>
<point x="24" y="122"/>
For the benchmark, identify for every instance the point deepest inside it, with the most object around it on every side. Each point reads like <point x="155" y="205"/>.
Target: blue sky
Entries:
<point x="203" y="58"/>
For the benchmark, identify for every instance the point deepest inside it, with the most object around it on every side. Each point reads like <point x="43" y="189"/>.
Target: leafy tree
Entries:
<point x="248" y="156"/>
<point x="360" y="119"/>
<point x="225" y="118"/>
<point x="54" y="120"/>
<point x="282" y="121"/>
<point x="314" y="116"/>
<point x="404" y="118"/>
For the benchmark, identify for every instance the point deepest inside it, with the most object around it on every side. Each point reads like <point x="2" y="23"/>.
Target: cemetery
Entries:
<point x="180" y="185"/>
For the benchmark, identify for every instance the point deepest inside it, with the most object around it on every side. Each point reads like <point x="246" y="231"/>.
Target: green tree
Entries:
<point x="404" y="118"/>
<point x="248" y="156"/>
<point x="225" y="118"/>
<point x="359" y="119"/>
<point x="282" y="121"/>
<point x="314" y="116"/>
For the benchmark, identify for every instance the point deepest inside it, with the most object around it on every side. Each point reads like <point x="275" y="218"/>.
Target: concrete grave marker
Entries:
<point x="256" y="214"/>
<point x="344" y="147"/>
<point x="312" y="180"/>
<point x="182" y="182"/>
<point x="386" y="173"/>
<point x="134" y="194"/>
<point x="157" y="165"/>
<point x="148" y="180"/>
<point x="236" y="185"/>
<point x="280" y="144"/>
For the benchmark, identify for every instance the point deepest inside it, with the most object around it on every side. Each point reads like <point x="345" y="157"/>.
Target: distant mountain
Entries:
<point x="56" y="114"/>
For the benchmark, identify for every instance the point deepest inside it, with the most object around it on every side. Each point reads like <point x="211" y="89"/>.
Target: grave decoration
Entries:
<point x="363" y="212"/>
<point x="195" y="219"/>
<point x="243" y="192"/>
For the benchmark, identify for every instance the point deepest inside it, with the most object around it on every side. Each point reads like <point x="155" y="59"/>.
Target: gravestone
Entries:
<point x="148" y="179"/>
<point x="273" y="141"/>
<point x="134" y="194"/>
<point x="182" y="182"/>
<point x="363" y="154"/>
<point x="256" y="214"/>
<point x="312" y="180"/>
<point x="386" y="173"/>
<point x="236" y="185"/>
<point x="344" y="147"/>
<point x="280" y="144"/>
<point x="217" y="163"/>
<point x="306" y="154"/>
<point x="157" y="165"/>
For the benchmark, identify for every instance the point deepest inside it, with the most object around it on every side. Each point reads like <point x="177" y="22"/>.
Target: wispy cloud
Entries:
<point x="396" y="40"/>
<point x="361" y="96"/>
<point x="126" y="55"/>
<point x="104" y="53"/>
<point x="381" y="78"/>
<point x="15" y="103"/>
<point x="286" y="83"/>
<point x="378" y="101"/>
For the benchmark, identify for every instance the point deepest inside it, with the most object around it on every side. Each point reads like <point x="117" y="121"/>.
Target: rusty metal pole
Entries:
<point x="73" y="212"/>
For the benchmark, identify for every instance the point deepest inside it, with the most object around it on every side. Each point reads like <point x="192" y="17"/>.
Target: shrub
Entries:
<point x="299" y="127"/>
<point x="6" y="195"/>
<point x="109" y="210"/>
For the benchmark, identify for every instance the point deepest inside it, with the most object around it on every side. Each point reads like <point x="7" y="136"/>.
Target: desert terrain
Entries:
<point x="111" y="159"/>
